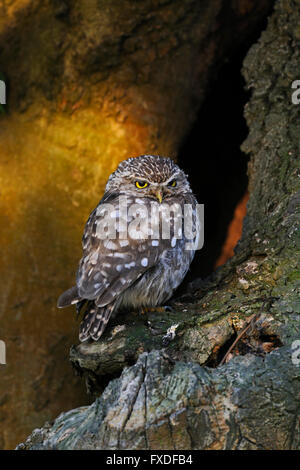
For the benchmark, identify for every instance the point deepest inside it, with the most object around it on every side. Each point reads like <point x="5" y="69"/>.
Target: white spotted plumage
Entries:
<point x="127" y="272"/>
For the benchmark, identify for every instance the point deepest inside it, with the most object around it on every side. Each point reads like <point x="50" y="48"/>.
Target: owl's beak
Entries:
<point x="159" y="195"/>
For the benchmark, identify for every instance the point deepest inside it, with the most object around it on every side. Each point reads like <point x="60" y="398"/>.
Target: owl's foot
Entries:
<point x="161" y="309"/>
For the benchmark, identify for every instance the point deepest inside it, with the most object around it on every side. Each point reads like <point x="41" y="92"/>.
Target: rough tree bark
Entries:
<point x="177" y="395"/>
<point x="90" y="83"/>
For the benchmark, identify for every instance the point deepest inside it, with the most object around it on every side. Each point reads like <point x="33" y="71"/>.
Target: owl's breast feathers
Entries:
<point x="111" y="265"/>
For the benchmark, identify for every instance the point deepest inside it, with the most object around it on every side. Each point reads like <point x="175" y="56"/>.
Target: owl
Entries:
<point x="135" y="249"/>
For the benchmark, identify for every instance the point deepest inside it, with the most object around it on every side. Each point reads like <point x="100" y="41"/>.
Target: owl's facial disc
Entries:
<point x="149" y="176"/>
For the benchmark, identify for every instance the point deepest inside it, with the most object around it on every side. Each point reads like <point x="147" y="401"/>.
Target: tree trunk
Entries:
<point x="185" y="393"/>
<point x="90" y="83"/>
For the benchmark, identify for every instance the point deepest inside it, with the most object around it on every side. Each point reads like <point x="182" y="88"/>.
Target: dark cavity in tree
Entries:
<point x="212" y="158"/>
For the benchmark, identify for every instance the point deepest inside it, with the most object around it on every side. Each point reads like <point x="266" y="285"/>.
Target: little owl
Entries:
<point x="137" y="260"/>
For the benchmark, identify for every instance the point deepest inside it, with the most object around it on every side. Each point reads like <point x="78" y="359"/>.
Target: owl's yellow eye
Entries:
<point x="141" y="184"/>
<point x="172" y="183"/>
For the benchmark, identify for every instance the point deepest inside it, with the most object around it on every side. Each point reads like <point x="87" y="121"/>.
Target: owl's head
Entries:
<point x="149" y="176"/>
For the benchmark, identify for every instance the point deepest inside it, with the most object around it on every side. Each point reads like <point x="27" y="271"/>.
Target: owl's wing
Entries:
<point x="109" y="266"/>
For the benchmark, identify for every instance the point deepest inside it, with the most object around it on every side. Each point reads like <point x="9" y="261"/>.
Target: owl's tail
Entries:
<point x="94" y="322"/>
<point x="95" y="318"/>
